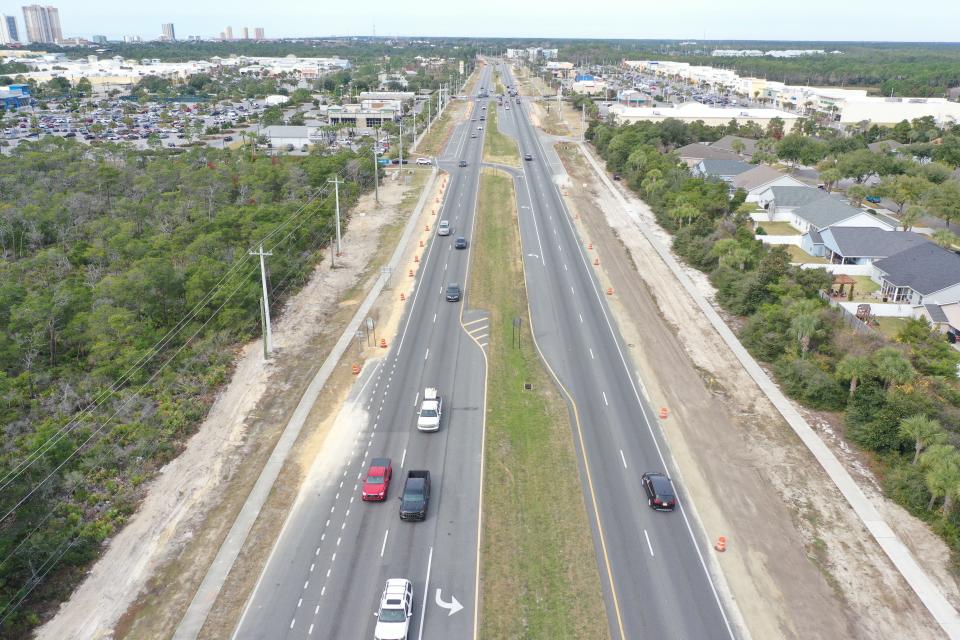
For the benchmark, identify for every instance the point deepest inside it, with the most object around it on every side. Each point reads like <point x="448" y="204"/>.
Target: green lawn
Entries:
<point x="778" y="228"/>
<point x="865" y="286"/>
<point x="891" y="327"/>
<point x="538" y="575"/>
<point x="799" y="255"/>
<point x="498" y="147"/>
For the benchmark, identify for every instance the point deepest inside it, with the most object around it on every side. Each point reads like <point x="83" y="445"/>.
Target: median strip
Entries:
<point x="538" y="569"/>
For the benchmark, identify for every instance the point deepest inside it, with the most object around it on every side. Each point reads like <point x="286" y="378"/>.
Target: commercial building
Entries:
<point x="98" y="39"/>
<point x="355" y="115"/>
<point x="710" y="116"/>
<point x="258" y="33"/>
<point x="8" y="30"/>
<point x="246" y="33"/>
<point x="228" y="33"/>
<point x="280" y="136"/>
<point x="168" y="33"/>
<point x="42" y="23"/>
<point x="14" y="96"/>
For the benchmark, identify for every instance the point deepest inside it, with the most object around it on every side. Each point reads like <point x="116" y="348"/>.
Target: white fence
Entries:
<point x="762" y="216"/>
<point x="846" y="269"/>
<point x="794" y="240"/>
<point x="881" y="309"/>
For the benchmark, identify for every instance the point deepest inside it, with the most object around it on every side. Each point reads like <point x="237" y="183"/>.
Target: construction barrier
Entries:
<point x="596" y="262"/>
<point x="402" y="297"/>
<point x="416" y="258"/>
<point x="664" y="413"/>
<point x="383" y="343"/>
<point x="356" y="369"/>
<point x="721" y="545"/>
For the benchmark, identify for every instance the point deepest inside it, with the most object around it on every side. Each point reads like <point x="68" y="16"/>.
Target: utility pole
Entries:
<point x="267" y="334"/>
<point x="400" y="151"/>
<point x="336" y="188"/>
<point x="429" y="114"/>
<point x="376" y="169"/>
<point x="583" y="120"/>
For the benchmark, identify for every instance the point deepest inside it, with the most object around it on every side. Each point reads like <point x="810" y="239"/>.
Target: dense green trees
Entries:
<point x="900" y="400"/>
<point x="124" y="284"/>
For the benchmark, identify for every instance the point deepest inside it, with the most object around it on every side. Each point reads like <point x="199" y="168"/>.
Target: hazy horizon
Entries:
<point x="927" y="21"/>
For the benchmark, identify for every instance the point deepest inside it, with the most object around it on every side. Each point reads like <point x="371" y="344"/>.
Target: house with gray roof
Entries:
<point x="865" y="245"/>
<point x="722" y="169"/>
<point x="760" y="178"/>
<point x="697" y="151"/>
<point x="784" y="199"/>
<point x="830" y="212"/>
<point x="727" y="143"/>
<point x="884" y="146"/>
<point x="925" y="274"/>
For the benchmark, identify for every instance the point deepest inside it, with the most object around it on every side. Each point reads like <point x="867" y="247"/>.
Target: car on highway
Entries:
<point x="416" y="495"/>
<point x="377" y="484"/>
<point x="424" y="161"/>
<point x="473" y="135"/>
<point x="431" y="410"/>
<point x="443" y="229"/>
<point x="659" y="491"/>
<point x="480" y="128"/>
<point x="460" y="243"/>
<point x="463" y="163"/>
<point x="527" y="157"/>
<point x="396" y="609"/>
<point x="453" y="292"/>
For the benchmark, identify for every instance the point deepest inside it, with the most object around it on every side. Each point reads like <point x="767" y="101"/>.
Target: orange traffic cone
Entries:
<point x="383" y="343"/>
<point x="664" y="412"/>
<point x="610" y="291"/>
<point x="721" y="545"/>
<point x="356" y="369"/>
<point x="596" y="262"/>
<point x="402" y="297"/>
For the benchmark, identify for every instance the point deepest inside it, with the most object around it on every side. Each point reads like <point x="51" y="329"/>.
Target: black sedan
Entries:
<point x="659" y="491"/>
<point x="460" y="243"/>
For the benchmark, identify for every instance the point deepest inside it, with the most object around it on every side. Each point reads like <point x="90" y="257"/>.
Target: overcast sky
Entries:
<point x="917" y="20"/>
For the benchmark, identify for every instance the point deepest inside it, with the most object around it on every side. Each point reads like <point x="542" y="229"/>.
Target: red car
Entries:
<point x="378" y="480"/>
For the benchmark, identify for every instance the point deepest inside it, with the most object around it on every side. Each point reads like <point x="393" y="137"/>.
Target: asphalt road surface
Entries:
<point x="652" y="564"/>
<point x="327" y="570"/>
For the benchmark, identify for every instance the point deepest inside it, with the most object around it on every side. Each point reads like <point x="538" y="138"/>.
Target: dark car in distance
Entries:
<point x="527" y="157"/>
<point x="659" y="491"/>
<point x="460" y="243"/>
<point x="462" y="163"/>
<point x="453" y="292"/>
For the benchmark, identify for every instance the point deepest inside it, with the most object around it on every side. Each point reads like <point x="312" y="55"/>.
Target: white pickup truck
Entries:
<point x="428" y="418"/>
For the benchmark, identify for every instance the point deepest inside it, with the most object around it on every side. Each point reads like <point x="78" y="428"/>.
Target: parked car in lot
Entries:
<point x="377" y="484"/>
<point x="396" y="609"/>
<point x="659" y="491"/>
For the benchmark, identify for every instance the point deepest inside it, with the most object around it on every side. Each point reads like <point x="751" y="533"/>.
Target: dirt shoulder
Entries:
<point x="147" y="576"/>
<point x="798" y="562"/>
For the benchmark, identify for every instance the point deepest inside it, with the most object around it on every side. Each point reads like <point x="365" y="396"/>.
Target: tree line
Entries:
<point x="125" y="288"/>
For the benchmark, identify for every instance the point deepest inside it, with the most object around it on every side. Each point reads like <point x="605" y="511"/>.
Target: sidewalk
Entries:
<point x="930" y="595"/>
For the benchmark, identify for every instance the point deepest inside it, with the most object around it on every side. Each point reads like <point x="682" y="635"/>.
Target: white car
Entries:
<point x="444" y="228"/>
<point x="424" y="161"/>
<point x="428" y="418"/>
<point x="396" y="607"/>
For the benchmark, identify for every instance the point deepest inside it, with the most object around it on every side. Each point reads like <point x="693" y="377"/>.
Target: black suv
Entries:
<point x="659" y="491"/>
<point x="462" y="163"/>
<point x="453" y="292"/>
<point x="460" y="243"/>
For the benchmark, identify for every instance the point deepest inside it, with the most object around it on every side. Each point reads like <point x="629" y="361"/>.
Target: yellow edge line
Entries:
<point x="583" y="448"/>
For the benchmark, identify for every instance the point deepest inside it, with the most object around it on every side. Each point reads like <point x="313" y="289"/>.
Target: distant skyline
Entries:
<point x="823" y="20"/>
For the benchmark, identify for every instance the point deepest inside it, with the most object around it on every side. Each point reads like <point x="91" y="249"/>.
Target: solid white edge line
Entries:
<point x="426" y="590"/>
<point x="622" y="457"/>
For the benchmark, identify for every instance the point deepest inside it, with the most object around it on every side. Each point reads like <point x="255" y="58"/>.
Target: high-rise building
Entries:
<point x="246" y="33"/>
<point x="42" y="23"/>
<point x="99" y="39"/>
<point x="8" y="30"/>
<point x="168" y="33"/>
<point x="258" y="33"/>
<point x="228" y="33"/>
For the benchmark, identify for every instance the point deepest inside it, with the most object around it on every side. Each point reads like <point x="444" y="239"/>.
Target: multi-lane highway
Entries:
<point x="326" y="572"/>
<point x="652" y="564"/>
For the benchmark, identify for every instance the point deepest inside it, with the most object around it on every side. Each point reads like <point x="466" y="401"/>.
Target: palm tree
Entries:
<point x="945" y="238"/>
<point x="911" y="217"/>
<point x="854" y="369"/>
<point x="738" y="146"/>
<point x="804" y="323"/>
<point x="923" y="431"/>
<point x="652" y="182"/>
<point x="724" y="249"/>
<point x="892" y="367"/>
<point x="686" y="212"/>
<point x="942" y="477"/>
<point x="857" y="193"/>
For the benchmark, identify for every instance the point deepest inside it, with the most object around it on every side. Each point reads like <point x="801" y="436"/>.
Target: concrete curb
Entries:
<point x="206" y="595"/>
<point x="928" y="592"/>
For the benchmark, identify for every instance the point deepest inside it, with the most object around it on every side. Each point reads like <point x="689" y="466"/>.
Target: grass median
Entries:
<point x="538" y="573"/>
<point x="496" y="146"/>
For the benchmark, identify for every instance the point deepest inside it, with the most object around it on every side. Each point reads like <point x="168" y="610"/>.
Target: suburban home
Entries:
<point x="944" y="317"/>
<point x="779" y="199"/>
<point x="724" y="170"/>
<point x="866" y="245"/>
<point x="812" y="219"/>
<point x="727" y="143"/>
<point x="693" y="153"/>
<point x="761" y="178"/>
<point x="925" y="274"/>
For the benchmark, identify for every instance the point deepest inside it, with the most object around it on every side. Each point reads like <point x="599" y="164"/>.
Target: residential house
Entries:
<point x="924" y="274"/>
<point x="693" y="153"/>
<point x="761" y="178"/>
<point x="783" y="200"/>
<point x="725" y="170"/>
<point x="727" y="143"/>
<point x="944" y="317"/>
<point x="813" y="218"/>
<point x="866" y="245"/>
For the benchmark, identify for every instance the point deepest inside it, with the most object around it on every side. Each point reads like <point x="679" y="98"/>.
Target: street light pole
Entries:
<point x="376" y="168"/>
<point x="267" y="334"/>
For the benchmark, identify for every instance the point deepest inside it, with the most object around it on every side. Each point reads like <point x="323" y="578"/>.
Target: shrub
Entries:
<point x="804" y="379"/>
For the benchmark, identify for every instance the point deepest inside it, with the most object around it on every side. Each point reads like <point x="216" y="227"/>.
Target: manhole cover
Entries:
<point x="527" y="386"/>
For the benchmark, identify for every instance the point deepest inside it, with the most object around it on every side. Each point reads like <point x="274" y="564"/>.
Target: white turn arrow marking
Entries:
<point x="454" y="605"/>
<point x="532" y="255"/>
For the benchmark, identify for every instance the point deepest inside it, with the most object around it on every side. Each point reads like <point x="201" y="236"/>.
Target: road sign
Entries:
<point x="453" y="606"/>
